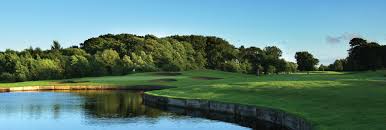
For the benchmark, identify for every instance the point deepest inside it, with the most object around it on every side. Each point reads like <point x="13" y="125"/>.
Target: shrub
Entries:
<point x="171" y="67"/>
<point x="271" y="69"/>
<point x="7" y="77"/>
<point x="237" y="66"/>
<point x="231" y="66"/>
<point x="47" y="69"/>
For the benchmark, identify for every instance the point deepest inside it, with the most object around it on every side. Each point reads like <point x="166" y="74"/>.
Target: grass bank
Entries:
<point x="330" y="100"/>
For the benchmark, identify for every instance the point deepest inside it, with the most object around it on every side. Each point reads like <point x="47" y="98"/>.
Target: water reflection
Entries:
<point x="116" y="105"/>
<point x="122" y="106"/>
<point x="93" y="110"/>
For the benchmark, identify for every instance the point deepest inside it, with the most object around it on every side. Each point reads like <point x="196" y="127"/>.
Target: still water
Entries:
<point x="94" y="110"/>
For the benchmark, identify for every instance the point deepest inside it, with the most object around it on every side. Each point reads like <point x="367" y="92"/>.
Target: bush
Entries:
<point x="171" y="67"/>
<point x="79" y="66"/>
<point x="47" y="69"/>
<point x="231" y="66"/>
<point x="236" y="66"/>
<point x="271" y="69"/>
<point x="7" y="77"/>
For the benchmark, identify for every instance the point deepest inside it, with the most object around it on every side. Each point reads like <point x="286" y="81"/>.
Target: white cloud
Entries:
<point x="342" y="38"/>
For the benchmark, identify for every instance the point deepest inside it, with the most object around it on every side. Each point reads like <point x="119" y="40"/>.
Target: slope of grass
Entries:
<point x="330" y="100"/>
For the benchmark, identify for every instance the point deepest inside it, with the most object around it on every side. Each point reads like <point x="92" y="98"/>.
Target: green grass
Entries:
<point x="330" y="100"/>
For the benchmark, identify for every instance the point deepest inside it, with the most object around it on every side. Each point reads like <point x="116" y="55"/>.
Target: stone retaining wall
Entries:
<point x="4" y="89"/>
<point x="260" y="113"/>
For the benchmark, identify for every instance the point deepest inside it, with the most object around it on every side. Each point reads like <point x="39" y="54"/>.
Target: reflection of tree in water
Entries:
<point x="111" y="108"/>
<point x="56" y="111"/>
<point x="116" y="104"/>
<point x="35" y="110"/>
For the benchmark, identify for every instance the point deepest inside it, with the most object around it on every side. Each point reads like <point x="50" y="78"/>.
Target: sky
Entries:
<point x="322" y="27"/>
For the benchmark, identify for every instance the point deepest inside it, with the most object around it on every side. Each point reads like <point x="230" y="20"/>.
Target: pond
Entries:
<point x="100" y="110"/>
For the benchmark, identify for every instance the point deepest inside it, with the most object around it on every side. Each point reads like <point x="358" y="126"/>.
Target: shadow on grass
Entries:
<point x="163" y="80"/>
<point x="167" y="73"/>
<point x="205" y="78"/>
<point x="71" y="81"/>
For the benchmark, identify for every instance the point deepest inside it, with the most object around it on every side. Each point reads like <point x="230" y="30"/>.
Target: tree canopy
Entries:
<point x="127" y="53"/>
<point x="306" y="61"/>
<point x="362" y="56"/>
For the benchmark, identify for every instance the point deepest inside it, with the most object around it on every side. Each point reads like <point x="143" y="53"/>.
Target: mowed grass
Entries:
<point x="330" y="100"/>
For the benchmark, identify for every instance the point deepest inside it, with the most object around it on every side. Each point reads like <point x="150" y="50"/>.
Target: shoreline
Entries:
<point x="275" y="116"/>
<point x="45" y="88"/>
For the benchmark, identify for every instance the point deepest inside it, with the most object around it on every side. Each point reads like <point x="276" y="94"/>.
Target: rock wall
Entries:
<point x="259" y="113"/>
<point x="4" y="90"/>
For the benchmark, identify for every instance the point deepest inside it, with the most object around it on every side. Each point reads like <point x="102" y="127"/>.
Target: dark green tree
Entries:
<point x="271" y="59"/>
<point x="306" y="61"/>
<point x="292" y="67"/>
<point x="323" y="68"/>
<point x="254" y="56"/>
<point x="56" y="46"/>
<point x="338" y="65"/>
<point x="364" y="55"/>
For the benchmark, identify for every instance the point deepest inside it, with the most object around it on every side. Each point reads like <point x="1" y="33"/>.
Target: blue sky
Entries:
<point x="322" y="27"/>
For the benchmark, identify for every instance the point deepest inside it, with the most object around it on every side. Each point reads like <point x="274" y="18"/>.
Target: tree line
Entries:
<point x="127" y="53"/>
<point x="362" y="56"/>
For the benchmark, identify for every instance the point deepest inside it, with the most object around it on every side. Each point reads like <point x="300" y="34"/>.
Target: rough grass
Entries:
<point x="330" y="100"/>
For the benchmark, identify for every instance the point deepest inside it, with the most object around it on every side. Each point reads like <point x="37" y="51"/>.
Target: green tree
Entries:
<point x="338" y="65"/>
<point x="79" y="66"/>
<point x="148" y="64"/>
<point x="9" y="61"/>
<point x="292" y="67"/>
<point x="109" y="58"/>
<point x="273" y="51"/>
<point x="218" y="51"/>
<point x="281" y="66"/>
<point x="47" y="69"/>
<point x="2" y="57"/>
<point x="21" y="72"/>
<point x="271" y="57"/>
<point x="271" y="69"/>
<point x="232" y="66"/>
<point x="323" y="68"/>
<point x="128" y="64"/>
<point x="254" y="56"/>
<point x="56" y="46"/>
<point x="306" y="61"/>
<point x="364" y="55"/>
<point x="74" y="51"/>
<point x="199" y="60"/>
<point x="7" y="77"/>
<point x="122" y="53"/>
